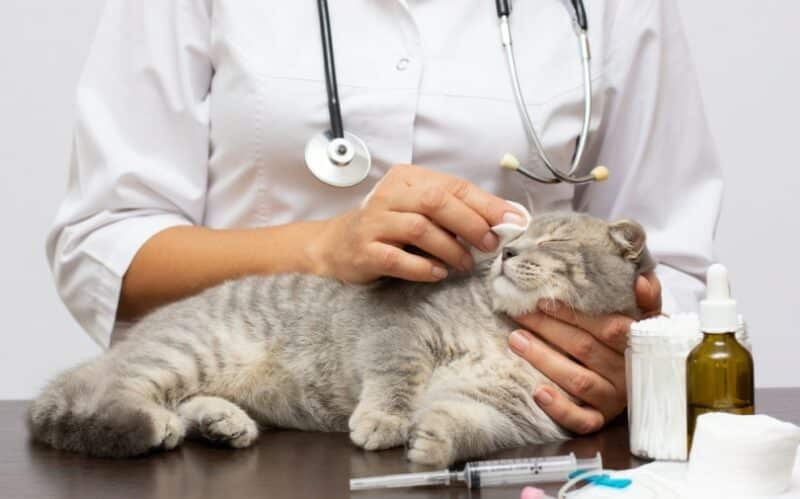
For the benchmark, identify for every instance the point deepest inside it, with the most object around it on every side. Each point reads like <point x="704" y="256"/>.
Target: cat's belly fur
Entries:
<point x="309" y="373"/>
<point x="320" y="392"/>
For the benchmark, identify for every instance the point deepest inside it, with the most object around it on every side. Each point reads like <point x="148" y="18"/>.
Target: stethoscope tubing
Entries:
<point x="506" y="40"/>
<point x="331" y="81"/>
<point x="580" y="15"/>
<point x="519" y="100"/>
<point x="335" y="157"/>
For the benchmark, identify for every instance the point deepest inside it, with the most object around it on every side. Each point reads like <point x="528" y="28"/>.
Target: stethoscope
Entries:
<point x="341" y="159"/>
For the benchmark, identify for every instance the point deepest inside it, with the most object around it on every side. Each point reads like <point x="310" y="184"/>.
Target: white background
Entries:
<point x="748" y="68"/>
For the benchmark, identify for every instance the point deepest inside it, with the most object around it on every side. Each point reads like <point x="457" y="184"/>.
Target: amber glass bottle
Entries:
<point x="719" y="378"/>
<point x="719" y="371"/>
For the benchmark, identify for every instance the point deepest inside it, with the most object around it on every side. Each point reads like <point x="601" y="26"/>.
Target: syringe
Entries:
<point x="479" y="474"/>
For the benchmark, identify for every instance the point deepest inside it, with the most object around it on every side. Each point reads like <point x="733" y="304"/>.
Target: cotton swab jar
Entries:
<point x="656" y="371"/>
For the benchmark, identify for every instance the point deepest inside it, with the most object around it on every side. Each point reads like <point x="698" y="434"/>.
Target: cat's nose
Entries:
<point x="509" y="253"/>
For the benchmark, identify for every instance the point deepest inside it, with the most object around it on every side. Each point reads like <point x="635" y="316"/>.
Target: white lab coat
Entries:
<point x="197" y="112"/>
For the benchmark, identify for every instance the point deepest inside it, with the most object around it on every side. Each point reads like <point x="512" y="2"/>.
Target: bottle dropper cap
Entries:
<point x="718" y="311"/>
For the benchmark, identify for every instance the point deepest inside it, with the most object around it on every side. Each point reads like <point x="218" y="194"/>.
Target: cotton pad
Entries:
<point x="741" y="456"/>
<point x="506" y="232"/>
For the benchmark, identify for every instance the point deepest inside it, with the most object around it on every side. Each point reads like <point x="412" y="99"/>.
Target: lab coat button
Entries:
<point x="402" y="64"/>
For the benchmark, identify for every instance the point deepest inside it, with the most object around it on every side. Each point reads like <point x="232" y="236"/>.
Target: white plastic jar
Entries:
<point x="655" y="363"/>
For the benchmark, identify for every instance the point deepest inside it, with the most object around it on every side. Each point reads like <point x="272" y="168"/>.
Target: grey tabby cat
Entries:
<point x="396" y="363"/>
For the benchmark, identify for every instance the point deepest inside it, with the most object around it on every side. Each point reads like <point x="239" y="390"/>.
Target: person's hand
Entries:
<point x="584" y="356"/>
<point x="410" y="206"/>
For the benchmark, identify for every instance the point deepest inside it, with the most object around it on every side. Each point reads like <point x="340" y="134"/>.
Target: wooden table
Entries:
<point x="285" y="464"/>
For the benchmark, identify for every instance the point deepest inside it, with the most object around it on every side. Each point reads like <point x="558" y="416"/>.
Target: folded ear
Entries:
<point x="630" y="237"/>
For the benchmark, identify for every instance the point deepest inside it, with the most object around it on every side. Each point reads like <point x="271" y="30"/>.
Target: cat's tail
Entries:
<point x="82" y="411"/>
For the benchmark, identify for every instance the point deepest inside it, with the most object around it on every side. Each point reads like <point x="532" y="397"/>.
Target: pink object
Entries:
<point x="531" y="493"/>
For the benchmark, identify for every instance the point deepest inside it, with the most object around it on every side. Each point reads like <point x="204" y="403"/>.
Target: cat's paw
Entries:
<point x="229" y="426"/>
<point x="218" y="420"/>
<point x="375" y="430"/>
<point x="169" y="431"/>
<point x="430" y="444"/>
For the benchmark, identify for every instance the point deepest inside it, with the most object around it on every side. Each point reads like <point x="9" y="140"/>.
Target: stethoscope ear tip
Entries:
<point x="510" y="162"/>
<point x="600" y="173"/>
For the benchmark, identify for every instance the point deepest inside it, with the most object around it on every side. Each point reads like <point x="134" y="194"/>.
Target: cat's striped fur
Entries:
<point x="394" y="363"/>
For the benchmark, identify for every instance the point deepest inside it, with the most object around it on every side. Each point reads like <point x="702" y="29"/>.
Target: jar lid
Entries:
<point x="677" y="326"/>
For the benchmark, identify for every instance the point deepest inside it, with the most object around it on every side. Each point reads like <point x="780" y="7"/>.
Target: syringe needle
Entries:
<point x="441" y="477"/>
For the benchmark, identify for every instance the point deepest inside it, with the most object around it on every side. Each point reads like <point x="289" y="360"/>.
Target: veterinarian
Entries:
<point x="193" y="118"/>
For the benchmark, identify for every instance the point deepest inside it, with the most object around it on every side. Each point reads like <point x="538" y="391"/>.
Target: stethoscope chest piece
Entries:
<point x="340" y="162"/>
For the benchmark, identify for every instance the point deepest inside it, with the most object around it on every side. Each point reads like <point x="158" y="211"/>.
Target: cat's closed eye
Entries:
<point x="553" y="242"/>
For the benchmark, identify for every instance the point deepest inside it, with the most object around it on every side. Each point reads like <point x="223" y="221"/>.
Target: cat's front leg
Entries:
<point x="389" y="394"/>
<point x="375" y="429"/>
<point x="455" y="429"/>
<point x="219" y="421"/>
<point x="459" y="420"/>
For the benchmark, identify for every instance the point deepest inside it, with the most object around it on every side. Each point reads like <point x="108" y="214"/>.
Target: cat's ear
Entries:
<point x="631" y="239"/>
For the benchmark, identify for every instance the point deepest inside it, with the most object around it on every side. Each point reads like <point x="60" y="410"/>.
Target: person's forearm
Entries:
<point x="182" y="261"/>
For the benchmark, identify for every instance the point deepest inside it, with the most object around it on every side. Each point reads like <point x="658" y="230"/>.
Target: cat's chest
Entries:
<point x="475" y="340"/>
<point x="478" y="344"/>
<point x="479" y="360"/>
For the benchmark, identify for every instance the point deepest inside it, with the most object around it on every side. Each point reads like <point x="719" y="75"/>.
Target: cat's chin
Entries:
<point x="508" y="298"/>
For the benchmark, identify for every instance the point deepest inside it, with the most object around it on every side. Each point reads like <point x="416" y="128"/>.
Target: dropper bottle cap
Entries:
<point x="718" y="311"/>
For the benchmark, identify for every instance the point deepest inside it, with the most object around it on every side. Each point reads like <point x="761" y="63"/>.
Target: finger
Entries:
<point x="578" y="419"/>
<point x="493" y="209"/>
<point x="387" y="260"/>
<point x="448" y="212"/>
<point x="418" y="230"/>
<point x="581" y="382"/>
<point x="611" y="329"/>
<point x="578" y="343"/>
<point x="648" y="294"/>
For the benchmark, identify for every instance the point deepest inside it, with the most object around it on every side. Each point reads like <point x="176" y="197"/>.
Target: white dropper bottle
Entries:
<point x="719" y="371"/>
<point x="718" y="311"/>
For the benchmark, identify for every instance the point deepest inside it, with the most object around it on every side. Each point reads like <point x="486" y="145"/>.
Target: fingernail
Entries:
<point x="490" y="241"/>
<point x="467" y="263"/>
<point x="644" y="285"/>
<point x="542" y="397"/>
<point x="439" y="272"/>
<point x="519" y="342"/>
<point x="512" y="218"/>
